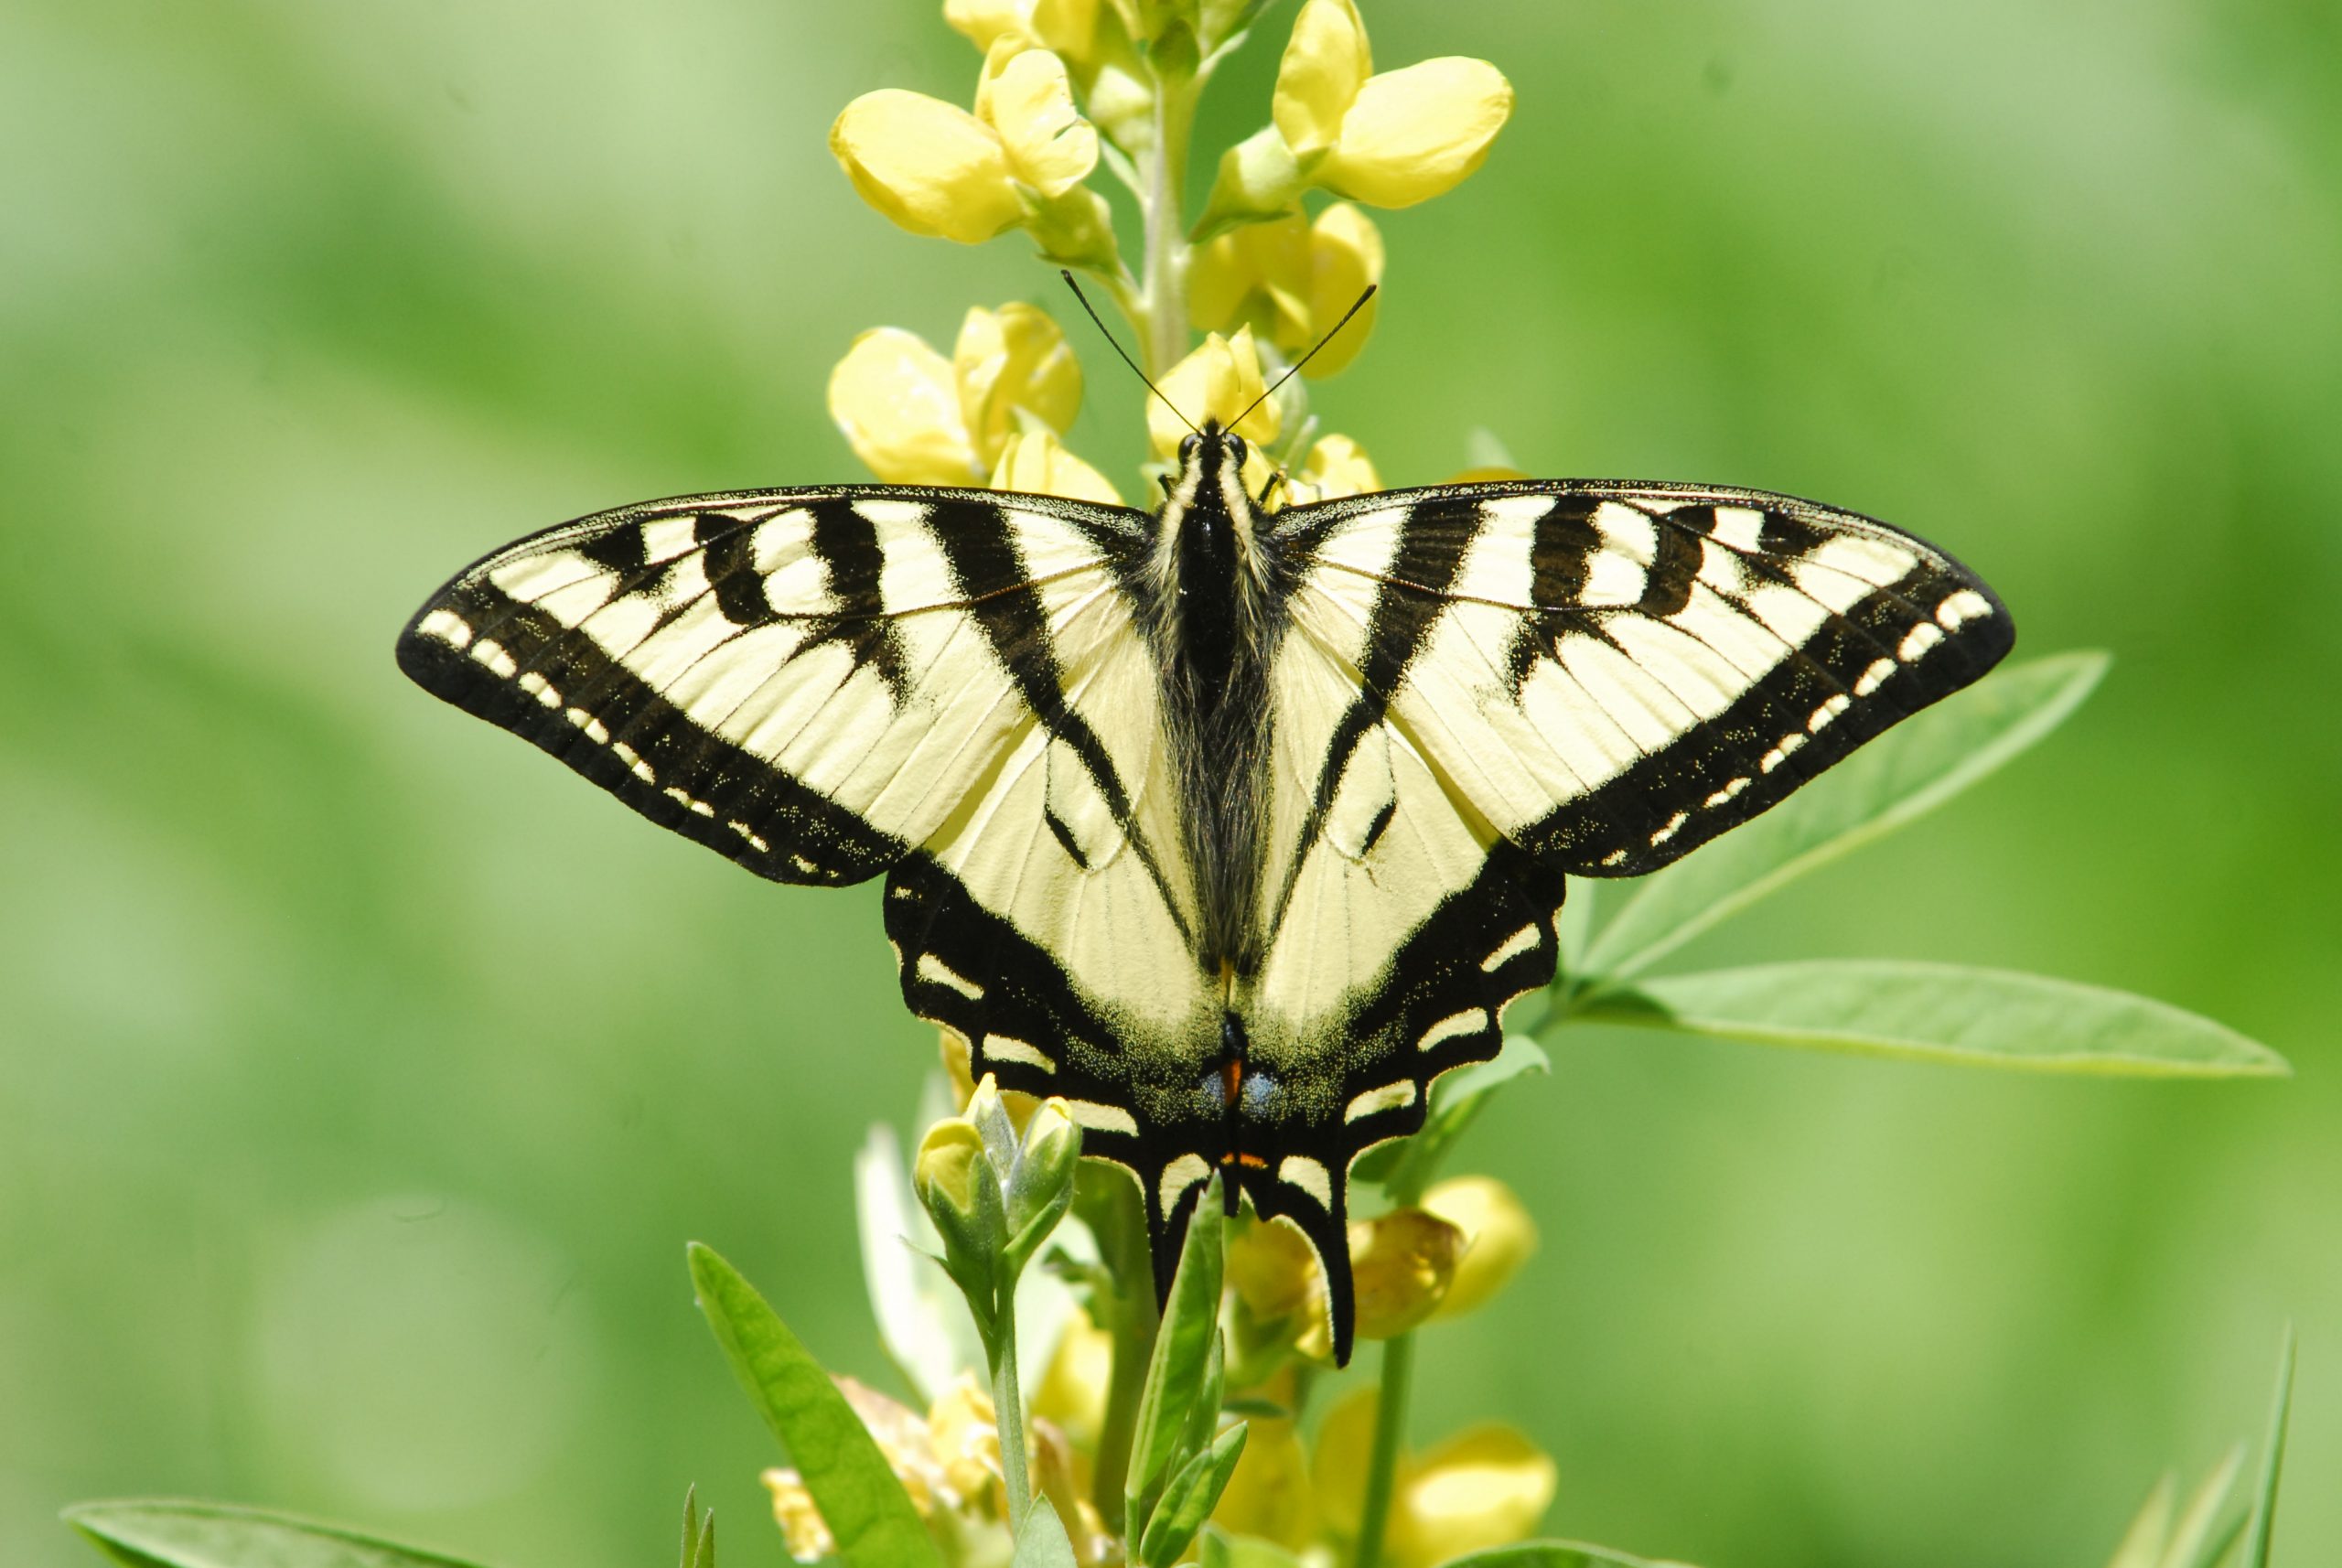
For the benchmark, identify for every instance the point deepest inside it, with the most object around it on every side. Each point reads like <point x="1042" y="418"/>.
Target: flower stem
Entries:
<point x="1119" y="1222"/>
<point x="1389" y="1430"/>
<point x="1165" y="296"/>
<point x="1008" y="1414"/>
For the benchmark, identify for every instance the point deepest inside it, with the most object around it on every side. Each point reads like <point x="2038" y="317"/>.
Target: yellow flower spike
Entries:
<point x="1038" y="464"/>
<point x="1326" y="62"/>
<point x="1220" y="381"/>
<point x="1026" y="99"/>
<point x="1418" y="132"/>
<point x="802" y="1529"/>
<point x="1269" y="1494"/>
<point x="1499" y="1237"/>
<point x="1401" y="1264"/>
<point x="931" y="167"/>
<point x="1484" y="1487"/>
<point x="898" y="403"/>
<point x="1011" y="358"/>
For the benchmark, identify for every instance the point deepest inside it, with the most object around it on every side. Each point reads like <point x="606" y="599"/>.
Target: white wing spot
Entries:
<point x="1008" y="1048"/>
<point x="1823" y="715"/>
<point x="1924" y="636"/>
<point x="934" y="968"/>
<point x="596" y="730"/>
<point x="540" y="687"/>
<point x="447" y="627"/>
<point x="1780" y="753"/>
<point x="1301" y="1171"/>
<point x="491" y="652"/>
<point x="1519" y="942"/>
<point x="1963" y="607"/>
<point x="745" y="832"/>
<point x="1374" y="1101"/>
<point x="1615" y="857"/>
<point x="1674" y="824"/>
<point x="1875" y="677"/>
<point x="1724" y="796"/>
<point x="633" y="760"/>
<point x="803" y="865"/>
<point x="1471" y="1021"/>
<point x="1177" y="1176"/>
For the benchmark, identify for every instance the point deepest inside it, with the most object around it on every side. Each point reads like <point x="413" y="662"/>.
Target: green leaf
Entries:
<point x="1911" y="769"/>
<point x="2207" y="1527"/>
<point x="1554" y="1554"/>
<point x="1188" y="1500"/>
<point x="699" y="1532"/>
<point x="1183" y="1352"/>
<point x="1044" y="1542"/>
<point x="2273" y="1462"/>
<point x="865" y="1507"/>
<point x="1933" y="1011"/>
<point x="156" y="1534"/>
<point x="2142" y="1543"/>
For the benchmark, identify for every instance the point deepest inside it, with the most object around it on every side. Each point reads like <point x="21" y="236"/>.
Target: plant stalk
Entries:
<point x="1390" y="1431"/>
<point x="1121" y="1239"/>
<point x="1165" y="293"/>
<point x="1008" y="1414"/>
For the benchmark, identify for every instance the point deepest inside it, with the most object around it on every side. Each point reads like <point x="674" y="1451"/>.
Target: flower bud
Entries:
<point x="1499" y="1238"/>
<point x="951" y="1172"/>
<point x="1040" y="1184"/>
<point x="1219" y="380"/>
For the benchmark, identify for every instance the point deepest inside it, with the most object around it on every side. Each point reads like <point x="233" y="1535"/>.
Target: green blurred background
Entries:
<point x="365" y="1072"/>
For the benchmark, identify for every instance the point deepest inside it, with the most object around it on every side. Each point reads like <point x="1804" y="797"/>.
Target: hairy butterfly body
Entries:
<point x="1234" y="828"/>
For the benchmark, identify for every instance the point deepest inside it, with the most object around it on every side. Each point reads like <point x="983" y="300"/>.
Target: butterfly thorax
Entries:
<point x="1213" y="623"/>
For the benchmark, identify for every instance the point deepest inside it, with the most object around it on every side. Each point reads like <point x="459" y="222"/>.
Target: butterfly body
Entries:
<point x="1234" y="828"/>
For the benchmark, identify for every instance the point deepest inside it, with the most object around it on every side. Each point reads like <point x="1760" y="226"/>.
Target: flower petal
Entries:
<point x="1068" y="27"/>
<point x="1345" y="256"/>
<point x="1337" y="466"/>
<point x="929" y="165"/>
<point x="1269" y="1494"/>
<point x="1326" y="64"/>
<point x="1256" y="276"/>
<point x="1486" y="1486"/>
<point x="1220" y="381"/>
<point x="1039" y="465"/>
<point x="899" y="404"/>
<point x="1415" y="133"/>
<point x="1499" y="1237"/>
<point x="1027" y="98"/>
<point x="1401" y="1263"/>
<point x="1011" y="358"/>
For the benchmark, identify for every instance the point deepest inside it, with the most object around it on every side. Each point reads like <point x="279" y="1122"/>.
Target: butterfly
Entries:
<point x="1234" y="828"/>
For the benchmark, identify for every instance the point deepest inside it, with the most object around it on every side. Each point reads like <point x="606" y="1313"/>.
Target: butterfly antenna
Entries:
<point x="1296" y="368"/>
<point x="1127" y="359"/>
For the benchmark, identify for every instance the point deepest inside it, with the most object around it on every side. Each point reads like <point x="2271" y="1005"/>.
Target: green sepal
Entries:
<point x="1043" y="1542"/>
<point x="1258" y="181"/>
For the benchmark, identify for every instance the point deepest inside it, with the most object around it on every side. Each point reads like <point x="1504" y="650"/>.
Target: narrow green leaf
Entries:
<point x="1555" y="1554"/>
<point x="1176" y="1373"/>
<point x="1188" y="1500"/>
<point x="2142" y="1543"/>
<point x="1044" y="1543"/>
<point x="2200" y="1539"/>
<point x="2273" y="1462"/>
<point x="865" y="1507"/>
<point x="1910" y="770"/>
<point x="1946" y="1012"/>
<point x="161" y="1534"/>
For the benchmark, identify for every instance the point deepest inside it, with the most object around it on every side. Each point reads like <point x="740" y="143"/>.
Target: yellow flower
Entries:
<point x="936" y="169"/>
<point x="1391" y="139"/>
<point x="917" y="418"/>
<point x="1499" y="1237"/>
<point x="1290" y="280"/>
<point x="1039" y="464"/>
<point x="1072" y="1391"/>
<point x="1066" y="27"/>
<point x="1486" y="1486"/>
<point x="1269" y="1495"/>
<point x="903" y="1437"/>
<point x="1220" y="381"/>
<point x="1335" y="467"/>
<point x="1401" y="1265"/>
